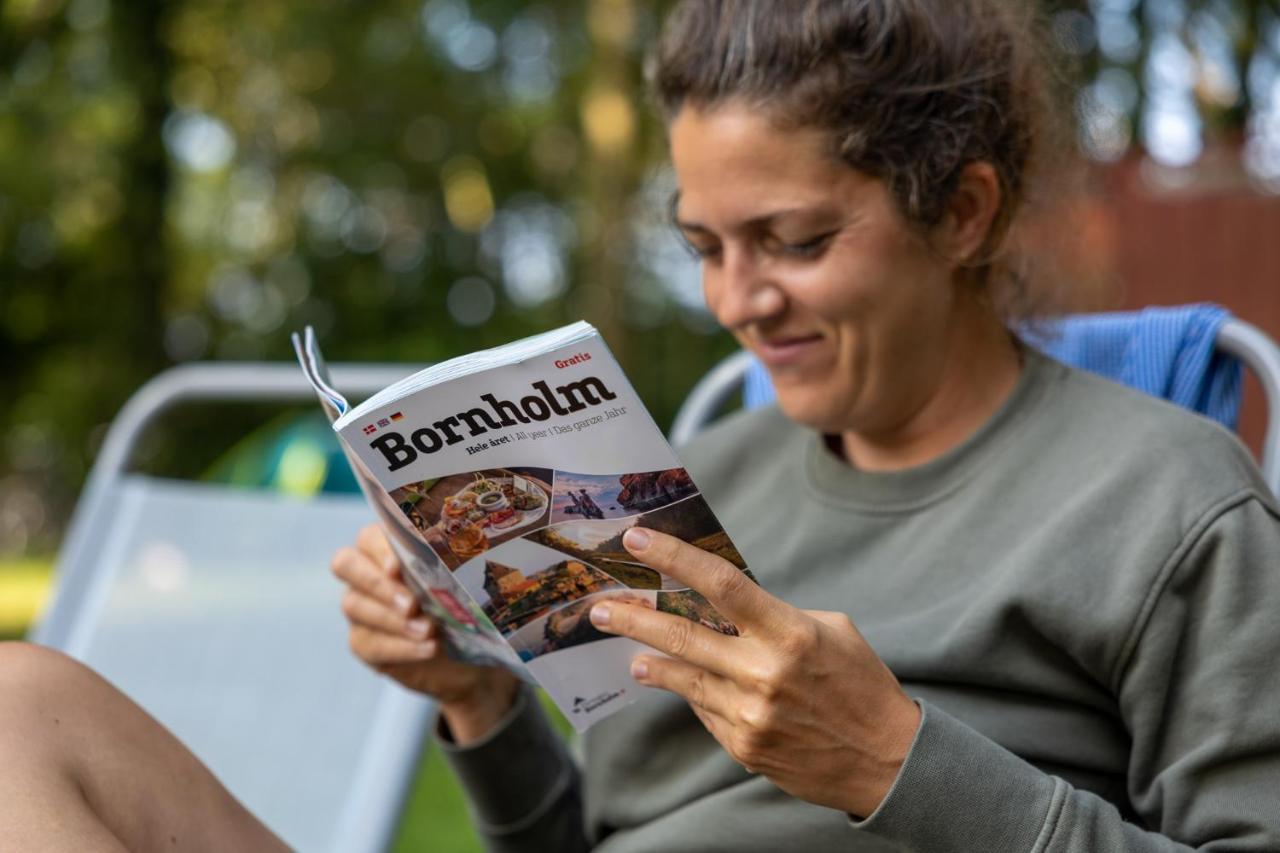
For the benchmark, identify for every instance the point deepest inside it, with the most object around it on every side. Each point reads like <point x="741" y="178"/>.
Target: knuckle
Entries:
<point x="827" y="620"/>
<point x="350" y="604"/>
<point x="389" y="591"/>
<point x="758" y="717"/>
<point x="746" y="750"/>
<point x="768" y="678"/>
<point x="341" y="561"/>
<point x="799" y="638"/>
<point x="678" y="635"/>
<point x="726" y="582"/>
<point x="698" y="690"/>
<point x="663" y="550"/>
<point x="366" y="645"/>
<point x="356" y="642"/>
<point x="367" y="538"/>
<point x="840" y="621"/>
<point x="385" y="589"/>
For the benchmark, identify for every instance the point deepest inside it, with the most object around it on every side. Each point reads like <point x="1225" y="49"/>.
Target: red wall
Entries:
<point x="1207" y="236"/>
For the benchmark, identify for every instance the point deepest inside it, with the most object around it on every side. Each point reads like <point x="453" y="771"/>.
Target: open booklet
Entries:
<point x="505" y="480"/>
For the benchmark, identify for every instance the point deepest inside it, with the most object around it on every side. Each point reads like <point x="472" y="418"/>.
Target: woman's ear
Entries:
<point x="971" y="213"/>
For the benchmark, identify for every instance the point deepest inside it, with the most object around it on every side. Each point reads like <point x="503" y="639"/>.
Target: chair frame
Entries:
<point x="1236" y="338"/>
<point x="401" y="720"/>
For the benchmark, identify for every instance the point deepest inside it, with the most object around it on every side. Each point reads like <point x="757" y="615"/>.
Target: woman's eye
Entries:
<point x="806" y="248"/>
<point x="699" y="247"/>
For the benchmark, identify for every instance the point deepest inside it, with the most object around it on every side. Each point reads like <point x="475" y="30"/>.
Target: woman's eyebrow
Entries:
<point x="695" y="227"/>
<point x="756" y="222"/>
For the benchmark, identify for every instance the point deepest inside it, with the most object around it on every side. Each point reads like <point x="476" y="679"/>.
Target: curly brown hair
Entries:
<point x="911" y="91"/>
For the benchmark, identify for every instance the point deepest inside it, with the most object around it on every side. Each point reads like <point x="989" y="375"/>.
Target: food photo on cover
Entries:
<point x="463" y="515"/>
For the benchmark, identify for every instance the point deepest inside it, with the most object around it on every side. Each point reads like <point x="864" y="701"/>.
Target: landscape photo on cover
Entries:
<point x="601" y="496"/>
<point x="521" y="581"/>
<point x="599" y="542"/>
<point x="694" y="606"/>
<point x="570" y="625"/>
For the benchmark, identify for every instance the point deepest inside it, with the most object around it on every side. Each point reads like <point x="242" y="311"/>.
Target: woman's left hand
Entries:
<point x="798" y="697"/>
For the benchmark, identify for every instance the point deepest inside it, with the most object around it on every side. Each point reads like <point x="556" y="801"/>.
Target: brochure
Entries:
<point x="505" y="480"/>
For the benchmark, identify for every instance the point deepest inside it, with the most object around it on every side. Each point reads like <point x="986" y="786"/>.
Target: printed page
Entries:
<point x="522" y="480"/>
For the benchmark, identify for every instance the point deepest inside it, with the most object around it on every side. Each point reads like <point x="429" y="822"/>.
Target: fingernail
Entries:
<point x="418" y="627"/>
<point x="404" y="602"/>
<point x="639" y="669"/>
<point x="427" y="649"/>
<point x="636" y="539"/>
<point x="600" y="615"/>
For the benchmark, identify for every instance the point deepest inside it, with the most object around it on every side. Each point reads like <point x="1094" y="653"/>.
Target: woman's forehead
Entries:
<point x="738" y="137"/>
<point x="732" y="161"/>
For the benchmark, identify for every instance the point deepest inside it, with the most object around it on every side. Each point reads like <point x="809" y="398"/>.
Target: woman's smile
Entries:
<point x="779" y="352"/>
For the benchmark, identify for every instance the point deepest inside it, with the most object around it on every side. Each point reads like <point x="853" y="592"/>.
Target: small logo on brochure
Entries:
<point x="398" y="416"/>
<point x="384" y="422"/>
<point x="586" y="706"/>
<point x="370" y="429"/>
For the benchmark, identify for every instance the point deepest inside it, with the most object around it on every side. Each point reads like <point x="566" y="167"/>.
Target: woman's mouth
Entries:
<point x="786" y="351"/>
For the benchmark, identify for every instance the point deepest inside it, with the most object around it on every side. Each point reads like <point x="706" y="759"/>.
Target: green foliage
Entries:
<point x="194" y="179"/>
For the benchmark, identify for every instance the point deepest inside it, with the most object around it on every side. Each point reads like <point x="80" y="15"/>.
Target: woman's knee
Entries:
<point x="28" y="669"/>
<point x="39" y="683"/>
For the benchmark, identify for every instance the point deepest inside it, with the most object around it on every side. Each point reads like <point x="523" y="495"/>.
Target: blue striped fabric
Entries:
<point x="1166" y="352"/>
<point x="757" y="390"/>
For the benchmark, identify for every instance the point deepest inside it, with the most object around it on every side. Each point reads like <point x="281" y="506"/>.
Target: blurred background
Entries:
<point x="193" y="179"/>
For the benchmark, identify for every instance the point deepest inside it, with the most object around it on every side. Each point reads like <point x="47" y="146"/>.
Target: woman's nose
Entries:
<point x="739" y="291"/>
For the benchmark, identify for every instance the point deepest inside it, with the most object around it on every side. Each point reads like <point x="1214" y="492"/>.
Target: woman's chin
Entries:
<point x="814" y="408"/>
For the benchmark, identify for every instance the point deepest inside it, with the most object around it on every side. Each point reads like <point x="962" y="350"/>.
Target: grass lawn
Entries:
<point x="435" y="817"/>
<point x="23" y="586"/>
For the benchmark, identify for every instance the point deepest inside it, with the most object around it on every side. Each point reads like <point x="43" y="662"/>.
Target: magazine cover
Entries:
<point x="507" y="479"/>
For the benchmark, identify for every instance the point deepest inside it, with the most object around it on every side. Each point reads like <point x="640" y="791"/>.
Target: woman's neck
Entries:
<point x="977" y="370"/>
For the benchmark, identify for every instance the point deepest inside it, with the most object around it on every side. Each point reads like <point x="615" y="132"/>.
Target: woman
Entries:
<point x="1060" y="588"/>
<point x="1055" y="581"/>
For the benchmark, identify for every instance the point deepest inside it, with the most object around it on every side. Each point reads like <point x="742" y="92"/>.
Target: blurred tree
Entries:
<point x="195" y="178"/>
<point x="1173" y="76"/>
<point x="83" y="187"/>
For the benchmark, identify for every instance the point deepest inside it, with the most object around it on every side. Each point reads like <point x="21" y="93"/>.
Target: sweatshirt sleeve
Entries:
<point x="522" y="785"/>
<point x="1198" y="688"/>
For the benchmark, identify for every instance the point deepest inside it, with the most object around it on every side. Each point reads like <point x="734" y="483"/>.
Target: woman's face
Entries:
<point x="808" y="263"/>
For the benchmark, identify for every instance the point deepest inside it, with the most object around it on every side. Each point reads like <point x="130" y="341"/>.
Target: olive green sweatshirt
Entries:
<point x="1084" y="599"/>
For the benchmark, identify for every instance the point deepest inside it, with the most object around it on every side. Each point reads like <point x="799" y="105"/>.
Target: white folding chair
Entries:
<point x="214" y="609"/>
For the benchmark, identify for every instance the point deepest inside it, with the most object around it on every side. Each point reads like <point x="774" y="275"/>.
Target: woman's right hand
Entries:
<point x="390" y="634"/>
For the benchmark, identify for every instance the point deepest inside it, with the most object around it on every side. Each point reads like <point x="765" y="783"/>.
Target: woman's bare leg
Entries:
<point x="84" y="768"/>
